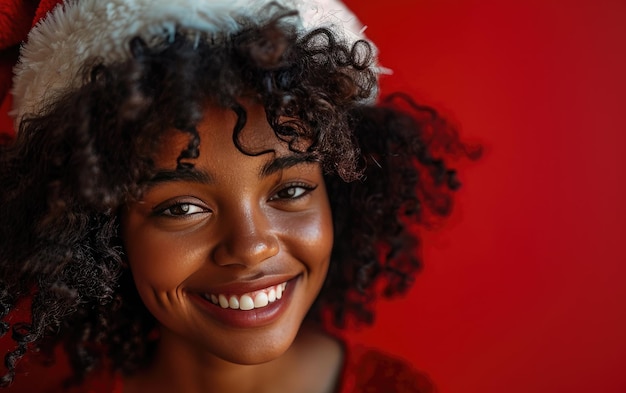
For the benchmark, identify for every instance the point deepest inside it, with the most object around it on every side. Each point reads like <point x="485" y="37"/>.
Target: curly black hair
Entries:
<point x="73" y="166"/>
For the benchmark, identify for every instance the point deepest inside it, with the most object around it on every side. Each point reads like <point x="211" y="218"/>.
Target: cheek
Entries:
<point x="310" y="238"/>
<point x="159" y="261"/>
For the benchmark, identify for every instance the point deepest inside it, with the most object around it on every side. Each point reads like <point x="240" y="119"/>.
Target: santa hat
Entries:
<point x="77" y="30"/>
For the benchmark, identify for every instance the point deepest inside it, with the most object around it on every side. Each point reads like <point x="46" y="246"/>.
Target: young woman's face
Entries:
<point x="230" y="256"/>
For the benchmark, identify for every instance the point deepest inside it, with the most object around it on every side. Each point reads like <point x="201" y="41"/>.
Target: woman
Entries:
<point x="198" y="190"/>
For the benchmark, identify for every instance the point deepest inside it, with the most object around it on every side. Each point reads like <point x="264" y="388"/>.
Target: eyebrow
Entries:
<point x="191" y="175"/>
<point x="195" y="175"/>
<point x="285" y="162"/>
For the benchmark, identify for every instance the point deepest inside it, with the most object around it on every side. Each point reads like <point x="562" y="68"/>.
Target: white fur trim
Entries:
<point x="78" y="30"/>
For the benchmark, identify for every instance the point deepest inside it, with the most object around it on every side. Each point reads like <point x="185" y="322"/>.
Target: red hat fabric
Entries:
<point x="17" y="17"/>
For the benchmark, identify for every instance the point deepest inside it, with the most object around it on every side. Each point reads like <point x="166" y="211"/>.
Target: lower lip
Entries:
<point x="256" y="317"/>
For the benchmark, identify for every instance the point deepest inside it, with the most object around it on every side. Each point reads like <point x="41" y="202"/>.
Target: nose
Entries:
<point x="247" y="238"/>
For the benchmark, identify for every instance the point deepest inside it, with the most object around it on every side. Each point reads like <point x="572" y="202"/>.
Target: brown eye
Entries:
<point x="179" y="210"/>
<point x="293" y="191"/>
<point x="183" y="209"/>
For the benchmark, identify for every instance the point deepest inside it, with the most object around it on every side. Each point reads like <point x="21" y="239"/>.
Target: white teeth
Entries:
<point x="233" y="302"/>
<point x="223" y="301"/>
<point x="261" y="300"/>
<point x="271" y="296"/>
<point x="249" y="301"/>
<point x="246" y="303"/>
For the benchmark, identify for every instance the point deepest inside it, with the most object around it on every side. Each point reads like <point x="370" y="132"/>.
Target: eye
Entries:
<point x="292" y="191"/>
<point x="181" y="209"/>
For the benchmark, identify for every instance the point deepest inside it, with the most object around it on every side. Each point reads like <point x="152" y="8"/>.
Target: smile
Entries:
<point x="250" y="300"/>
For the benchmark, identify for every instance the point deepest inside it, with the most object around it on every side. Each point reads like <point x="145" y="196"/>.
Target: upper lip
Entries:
<point x="244" y="286"/>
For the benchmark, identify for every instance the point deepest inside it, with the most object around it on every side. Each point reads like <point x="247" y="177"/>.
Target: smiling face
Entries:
<point x="230" y="256"/>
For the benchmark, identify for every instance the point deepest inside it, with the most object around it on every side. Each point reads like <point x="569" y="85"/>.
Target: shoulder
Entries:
<point x="374" y="371"/>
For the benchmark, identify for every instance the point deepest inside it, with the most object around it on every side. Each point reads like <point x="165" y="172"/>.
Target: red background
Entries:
<point x="524" y="289"/>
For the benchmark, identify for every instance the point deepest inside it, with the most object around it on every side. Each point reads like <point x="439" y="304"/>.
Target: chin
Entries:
<point x="261" y="349"/>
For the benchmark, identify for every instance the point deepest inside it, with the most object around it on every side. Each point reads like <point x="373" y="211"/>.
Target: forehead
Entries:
<point x="217" y="138"/>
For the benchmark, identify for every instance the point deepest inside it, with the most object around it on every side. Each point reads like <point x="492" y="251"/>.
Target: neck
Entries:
<point x="178" y="366"/>
<point x="184" y="368"/>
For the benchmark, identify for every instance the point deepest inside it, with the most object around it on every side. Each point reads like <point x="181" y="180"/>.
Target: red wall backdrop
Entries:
<point x="524" y="290"/>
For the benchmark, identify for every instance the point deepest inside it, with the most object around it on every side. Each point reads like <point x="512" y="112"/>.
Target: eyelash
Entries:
<point x="185" y="207"/>
<point x="167" y="210"/>
<point x="307" y="188"/>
